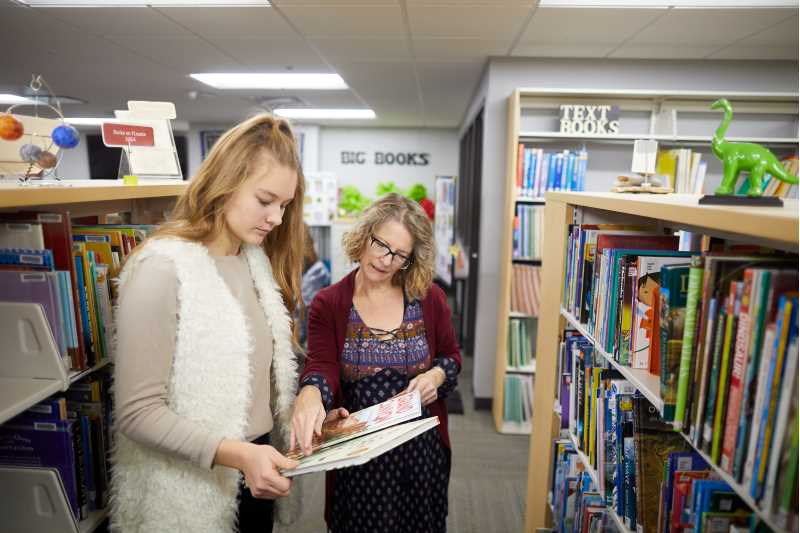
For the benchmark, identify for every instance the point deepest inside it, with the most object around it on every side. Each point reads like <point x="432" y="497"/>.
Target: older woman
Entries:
<point x="383" y="329"/>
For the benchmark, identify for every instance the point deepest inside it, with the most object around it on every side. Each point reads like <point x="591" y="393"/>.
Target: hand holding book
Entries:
<point x="428" y="384"/>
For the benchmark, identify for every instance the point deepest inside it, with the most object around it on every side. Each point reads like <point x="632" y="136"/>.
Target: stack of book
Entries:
<point x="525" y="289"/>
<point x="719" y="331"/>
<point x="521" y="339"/>
<point x="575" y="502"/>
<point x="528" y="232"/>
<point x="67" y="269"/>
<point x="684" y="170"/>
<point x="538" y="171"/>
<point x="70" y="433"/>
<point x="641" y="470"/>
<point x="518" y="398"/>
<point x="773" y="186"/>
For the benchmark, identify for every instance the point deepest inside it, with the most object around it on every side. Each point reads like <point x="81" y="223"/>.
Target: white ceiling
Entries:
<point x="415" y="62"/>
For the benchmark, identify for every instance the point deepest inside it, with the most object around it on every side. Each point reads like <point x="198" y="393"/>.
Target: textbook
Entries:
<point x="364" y="435"/>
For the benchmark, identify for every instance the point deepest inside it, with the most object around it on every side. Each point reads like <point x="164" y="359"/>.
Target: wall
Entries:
<point x="506" y="74"/>
<point x="439" y="145"/>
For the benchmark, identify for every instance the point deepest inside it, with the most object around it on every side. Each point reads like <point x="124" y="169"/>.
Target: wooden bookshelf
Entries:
<point x="146" y="203"/>
<point x="775" y="227"/>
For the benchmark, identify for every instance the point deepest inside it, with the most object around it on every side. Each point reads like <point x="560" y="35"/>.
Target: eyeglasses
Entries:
<point x="399" y="260"/>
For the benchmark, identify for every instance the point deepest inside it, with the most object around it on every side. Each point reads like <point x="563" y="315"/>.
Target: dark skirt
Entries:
<point x="255" y="514"/>
<point x="403" y="490"/>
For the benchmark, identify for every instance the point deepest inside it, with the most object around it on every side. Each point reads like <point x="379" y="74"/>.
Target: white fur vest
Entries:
<point x="209" y="384"/>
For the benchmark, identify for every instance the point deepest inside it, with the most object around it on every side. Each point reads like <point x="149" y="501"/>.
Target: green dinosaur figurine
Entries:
<point x="736" y="157"/>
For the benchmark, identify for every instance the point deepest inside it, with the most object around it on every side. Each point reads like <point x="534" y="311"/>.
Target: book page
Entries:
<point x="400" y="408"/>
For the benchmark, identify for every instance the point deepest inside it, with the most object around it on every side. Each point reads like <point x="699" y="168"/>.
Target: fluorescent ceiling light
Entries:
<point x="143" y="3"/>
<point x="307" y="113"/>
<point x="12" y="99"/>
<point x="88" y="121"/>
<point x="271" y="81"/>
<point x="664" y="4"/>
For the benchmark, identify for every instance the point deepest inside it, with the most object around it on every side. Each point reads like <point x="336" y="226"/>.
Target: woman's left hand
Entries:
<point x="427" y="383"/>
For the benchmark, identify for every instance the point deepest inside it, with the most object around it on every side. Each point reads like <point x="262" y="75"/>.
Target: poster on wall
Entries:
<point x="207" y="140"/>
<point x="443" y="226"/>
<point x="319" y="204"/>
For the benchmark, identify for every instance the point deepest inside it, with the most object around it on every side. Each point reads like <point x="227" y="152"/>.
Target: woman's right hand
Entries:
<point x="307" y="418"/>
<point x="259" y="464"/>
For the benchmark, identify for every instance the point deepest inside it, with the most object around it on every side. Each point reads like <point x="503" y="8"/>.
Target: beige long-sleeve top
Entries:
<point x="148" y="315"/>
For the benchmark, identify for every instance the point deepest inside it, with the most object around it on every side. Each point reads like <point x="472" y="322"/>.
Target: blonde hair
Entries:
<point x="417" y="278"/>
<point x="199" y="212"/>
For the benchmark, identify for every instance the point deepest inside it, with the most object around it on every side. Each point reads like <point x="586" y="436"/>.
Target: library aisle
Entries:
<point x="487" y="491"/>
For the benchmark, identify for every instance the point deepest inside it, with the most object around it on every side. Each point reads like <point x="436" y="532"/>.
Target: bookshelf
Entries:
<point x="29" y="376"/>
<point x="673" y="118"/>
<point x="776" y="228"/>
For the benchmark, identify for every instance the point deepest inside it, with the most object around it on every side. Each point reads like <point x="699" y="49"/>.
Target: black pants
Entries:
<point x="255" y="514"/>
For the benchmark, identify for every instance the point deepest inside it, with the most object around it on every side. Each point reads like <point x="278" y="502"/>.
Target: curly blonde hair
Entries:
<point x="417" y="278"/>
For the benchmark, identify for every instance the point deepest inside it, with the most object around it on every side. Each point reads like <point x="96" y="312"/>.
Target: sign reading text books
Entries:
<point x="589" y="119"/>
<point x="116" y="134"/>
<point x="364" y="435"/>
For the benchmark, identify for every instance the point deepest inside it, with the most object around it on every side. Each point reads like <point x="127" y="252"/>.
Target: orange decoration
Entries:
<point x="11" y="129"/>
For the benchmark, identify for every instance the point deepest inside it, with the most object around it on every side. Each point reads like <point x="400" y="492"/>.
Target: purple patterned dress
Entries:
<point x="404" y="490"/>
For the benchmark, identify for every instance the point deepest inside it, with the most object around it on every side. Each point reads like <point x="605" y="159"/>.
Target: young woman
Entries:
<point x="383" y="329"/>
<point x="204" y="363"/>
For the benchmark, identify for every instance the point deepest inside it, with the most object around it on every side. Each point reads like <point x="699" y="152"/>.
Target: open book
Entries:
<point x="364" y="435"/>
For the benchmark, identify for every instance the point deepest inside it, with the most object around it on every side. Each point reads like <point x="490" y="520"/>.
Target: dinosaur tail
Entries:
<point x="780" y="172"/>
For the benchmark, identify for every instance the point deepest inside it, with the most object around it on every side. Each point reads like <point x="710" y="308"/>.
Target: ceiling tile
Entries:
<point x="663" y="51"/>
<point x="479" y="22"/>
<point x="118" y="22"/>
<point x="777" y="42"/>
<point x="459" y="49"/>
<point x="551" y="28"/>
<point x="182" y="54"/>
<point x="361" y="49"/>
<point x="698" y="28"/>
<point x="347" y="21"/>
<point x="562" y="50"/>
<point x="379" y="79"/>
<point x="231" y="22"/>
<point x="273" y="55"/>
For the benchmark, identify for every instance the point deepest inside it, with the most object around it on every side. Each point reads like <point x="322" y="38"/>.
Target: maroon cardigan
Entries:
<point x="327" y="327"/>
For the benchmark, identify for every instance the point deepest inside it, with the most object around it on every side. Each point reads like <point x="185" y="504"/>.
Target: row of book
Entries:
<point x="528" y="232"/>
<point x="738" y="365"/>
<point x="521" y="340"/>
<point x="526" y="289"/>
<point x="720" y="330"/>
<point x="70" y="433"/>
<point x="68" y="269"/>
<point x="539" y="171"/>
<point x="646" y="473"/>
<point x="518" y="398"/>
<point x="683" y="170"/>
<point x="576" y="505"/>
<point x="690" y="499"/>
<point x="772" y="186"/>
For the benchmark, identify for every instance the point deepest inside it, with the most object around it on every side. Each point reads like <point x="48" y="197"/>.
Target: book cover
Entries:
<point x="359" y="450"/>
<point x="654" y="440"/>
<point x="674" y="288"/>
<point x="685" y="371"/>
<point x="677" y="462"/>
<point x="395" y="410"/>
<point x="681" y="492"/>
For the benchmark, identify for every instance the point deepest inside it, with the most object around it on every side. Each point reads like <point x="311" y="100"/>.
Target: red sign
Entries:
<point x="127" y="135"/>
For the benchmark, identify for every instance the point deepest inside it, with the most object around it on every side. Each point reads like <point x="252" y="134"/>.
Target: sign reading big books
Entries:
<point x="364" y="435"/>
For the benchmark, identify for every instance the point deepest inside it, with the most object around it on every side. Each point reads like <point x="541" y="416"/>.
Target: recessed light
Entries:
<point x="271" y="81"/>
<point x="12" y="99"/>
<point x="307" y="113"/>
<point x="144" y="3"/>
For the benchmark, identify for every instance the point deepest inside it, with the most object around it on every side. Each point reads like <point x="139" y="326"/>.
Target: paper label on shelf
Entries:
<point x="124" y="135"/>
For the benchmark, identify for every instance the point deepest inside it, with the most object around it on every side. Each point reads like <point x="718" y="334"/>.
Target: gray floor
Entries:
<point x="488" y="481"/>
